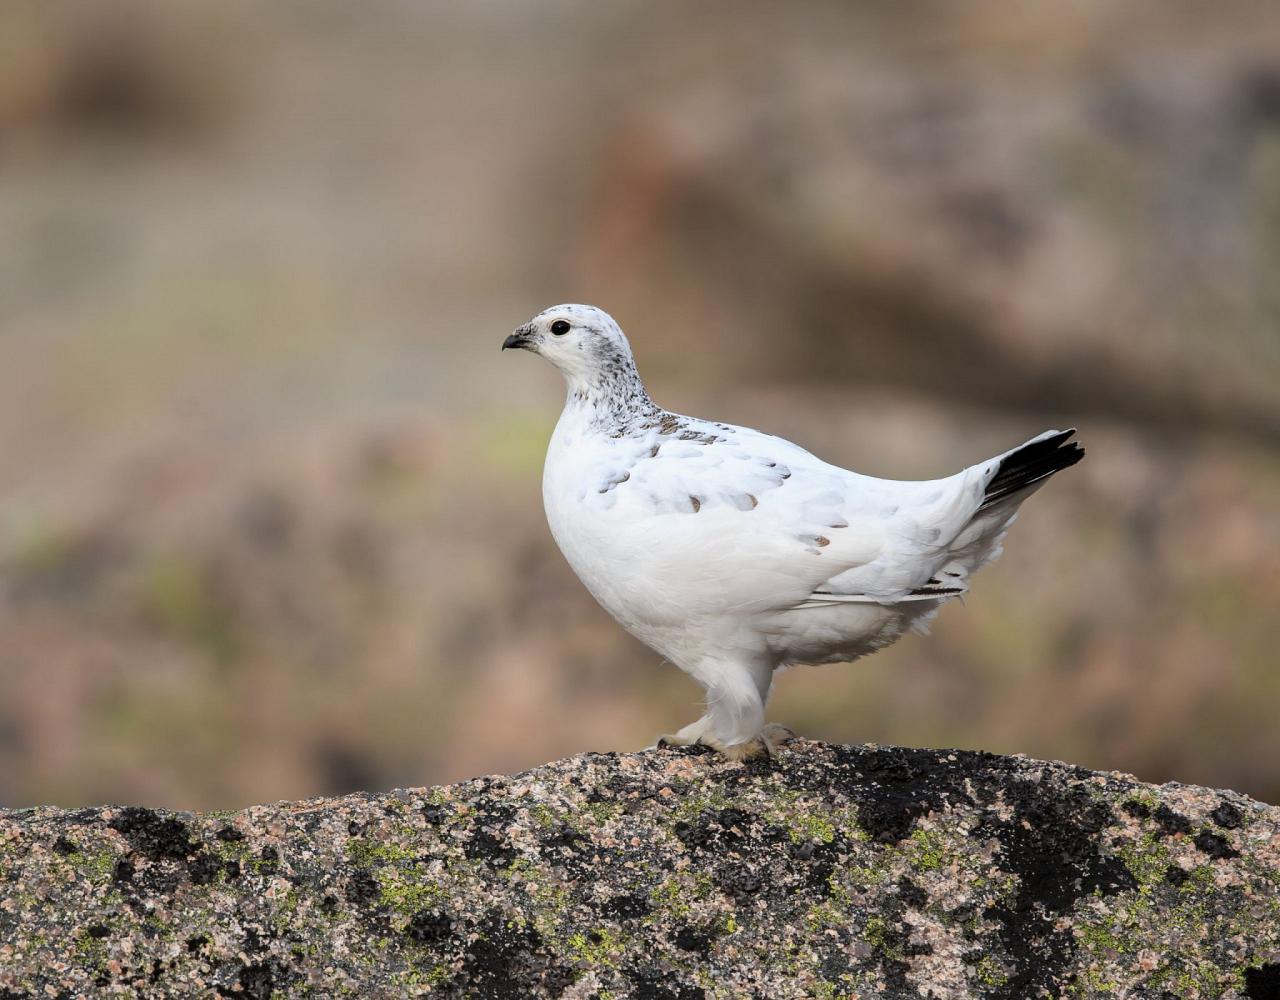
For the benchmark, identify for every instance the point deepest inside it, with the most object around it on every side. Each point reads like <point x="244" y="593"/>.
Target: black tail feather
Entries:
<point x="1030" y="464"/>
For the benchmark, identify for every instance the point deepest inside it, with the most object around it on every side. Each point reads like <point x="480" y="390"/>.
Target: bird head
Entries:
<point x="582" y="341"/>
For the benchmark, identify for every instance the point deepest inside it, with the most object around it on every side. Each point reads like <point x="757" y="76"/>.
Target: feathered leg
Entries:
<point x="734" y="722"/>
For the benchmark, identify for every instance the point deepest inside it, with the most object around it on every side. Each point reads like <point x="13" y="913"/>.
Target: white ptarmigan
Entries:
<point x="733" y="553"/>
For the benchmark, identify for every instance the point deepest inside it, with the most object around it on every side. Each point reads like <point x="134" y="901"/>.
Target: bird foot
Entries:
<point x="764" y="744"/>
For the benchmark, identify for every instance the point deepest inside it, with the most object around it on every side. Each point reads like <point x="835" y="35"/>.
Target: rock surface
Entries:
<point x="829" y="872"/>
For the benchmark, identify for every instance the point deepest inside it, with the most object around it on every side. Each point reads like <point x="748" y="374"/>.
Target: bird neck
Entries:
<point x="610" y="398"/>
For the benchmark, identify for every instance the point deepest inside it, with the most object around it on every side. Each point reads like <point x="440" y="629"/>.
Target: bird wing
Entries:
<point x="764" y="520"/>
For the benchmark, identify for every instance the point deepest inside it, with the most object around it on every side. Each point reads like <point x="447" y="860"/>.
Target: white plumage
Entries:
<point x="733" y="553"/>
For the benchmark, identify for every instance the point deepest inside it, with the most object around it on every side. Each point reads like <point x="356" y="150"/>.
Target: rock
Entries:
<point x="830" y="871"/>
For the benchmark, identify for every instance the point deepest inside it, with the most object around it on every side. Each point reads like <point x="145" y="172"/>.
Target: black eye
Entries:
<point x="560" y="327"/>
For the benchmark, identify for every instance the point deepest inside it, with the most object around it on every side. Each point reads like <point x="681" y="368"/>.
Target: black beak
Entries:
<point x="522" y="339"/>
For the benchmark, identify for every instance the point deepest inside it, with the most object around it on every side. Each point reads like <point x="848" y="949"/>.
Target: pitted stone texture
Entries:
<point x="828" y="872"/>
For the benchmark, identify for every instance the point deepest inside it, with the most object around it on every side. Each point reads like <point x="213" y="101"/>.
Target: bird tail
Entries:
<point x="983" y="503"/>
<point x="1009" y="480"/>
<point x="1028" y="466"/>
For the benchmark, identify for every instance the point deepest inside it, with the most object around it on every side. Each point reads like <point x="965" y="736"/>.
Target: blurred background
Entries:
<point x="270" y="506"/>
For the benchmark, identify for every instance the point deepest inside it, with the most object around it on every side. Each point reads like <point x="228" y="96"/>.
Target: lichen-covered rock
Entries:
<point x="827" y="872"/>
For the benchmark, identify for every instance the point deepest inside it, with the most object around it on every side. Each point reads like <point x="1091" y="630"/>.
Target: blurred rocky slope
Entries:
<point x="830" y="871"/>
<point x="269" y="505"/>
<point x="1094" y="229"/>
